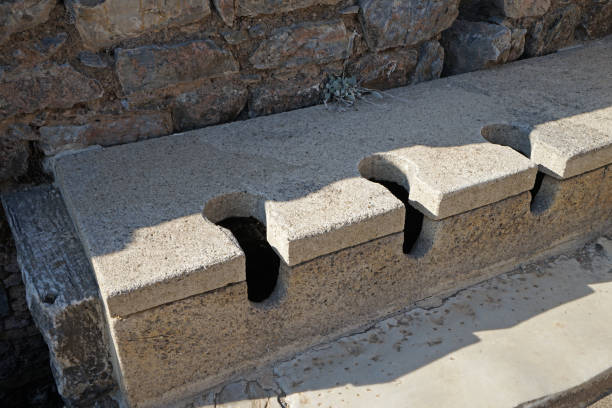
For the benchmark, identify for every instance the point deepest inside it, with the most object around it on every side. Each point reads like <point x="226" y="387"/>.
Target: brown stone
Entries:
<point x="522" y="8"/>
<point x="21" y="15"/>
<point x="105" y="131"/>
<point x="255" y="7"/>
<point x="597" y="18"/>
<point x="226" y="10"/>
<point x="102" y="23"/>
<point x="390" y="23"/>
<point x="154" y="67"/>
<point x="554" y="31"/>
<point x="281" y="95"/>
<point x="517" y="43"/>
<point x="208" y="105"/>
<point x="384" y="70"/>
<point x="304" y="43"/>
<point x="51" y="86"/>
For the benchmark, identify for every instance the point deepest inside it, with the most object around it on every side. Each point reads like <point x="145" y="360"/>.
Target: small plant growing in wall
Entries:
<point x="346" y="91"/>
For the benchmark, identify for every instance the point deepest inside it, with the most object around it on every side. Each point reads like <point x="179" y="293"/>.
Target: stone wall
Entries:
<point x="75" y="73"/>
<point x="85" y="72"/>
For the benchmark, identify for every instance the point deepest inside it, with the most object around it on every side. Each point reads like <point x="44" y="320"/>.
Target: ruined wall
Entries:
<point x="83" y="72"/>
<point x="75" y="73"/>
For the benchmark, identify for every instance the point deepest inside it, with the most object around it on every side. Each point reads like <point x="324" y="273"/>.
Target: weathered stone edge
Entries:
<point x="71" y="321"/>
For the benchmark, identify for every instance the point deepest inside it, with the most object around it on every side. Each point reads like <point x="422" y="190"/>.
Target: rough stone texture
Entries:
<point x="21" y="15"/>
<point x="255" y="7"/>
<point x="92" y="60"/>
<point x="523" y="8"/>
<point x="304" y="43"/>
<point x="550" y="316"/>
<point x="296" y="90"/>
<point x="62" y="294"/>
<point x="243" y="394"/>
<point x="210" y="104"/>
<point x="517" y="44"/>
<point x="385" y="70"/>
<point x="14" y="156"/>
<point x="33" y="53"/>
<point x="368" y="281"/>
<point x="389" y="23"/>
<point x="470" y="46"/>
<point x="102" y="23"/>
<point x="105" y="131"/>
<point x="554" y="31"/>
<point x="431" y="62"/>
<point x="597" y="18"/>
<point x="46" y="86"/>
<point x="226" y="10"/>
<point x="153" y="67"/>
<point x="25" y="375"/>
<point x="306" y="174"/>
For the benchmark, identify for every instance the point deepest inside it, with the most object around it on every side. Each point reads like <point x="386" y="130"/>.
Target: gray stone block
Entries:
<point x="62" y="294"/>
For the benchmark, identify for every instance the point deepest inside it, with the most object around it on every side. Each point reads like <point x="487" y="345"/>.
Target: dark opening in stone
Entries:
<point x="262" y="262"/>
<point x="413" y="222"/>
<point x="542" y="193"/>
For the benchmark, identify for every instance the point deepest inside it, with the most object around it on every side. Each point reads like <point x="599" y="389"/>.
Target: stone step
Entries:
<point x="327" y="220"/>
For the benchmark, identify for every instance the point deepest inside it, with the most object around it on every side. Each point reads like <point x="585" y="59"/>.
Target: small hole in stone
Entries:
<point x="262" y="263"/>
<point x="49" y="298"/>
<point x="542" y="194"/>
<point x="413" y="222"/>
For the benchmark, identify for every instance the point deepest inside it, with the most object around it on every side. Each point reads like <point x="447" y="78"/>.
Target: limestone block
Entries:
<point x="208" y="105"/>
<point x="102" y="23"/>
<point x="104" y="131"/>
<point x="45" y="86"/>
<point x="471" y="46"/>
<point x="320" y="298"/>
<point x="304" y="43"/>
<point x="153" y="67"/>
<point x="253" y="8"/>
<point x="389" y="23"/>
<point x="21" y="15"/>
<point x="62" y="294"/>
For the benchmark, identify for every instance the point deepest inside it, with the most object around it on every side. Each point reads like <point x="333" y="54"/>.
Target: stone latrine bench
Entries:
<point x="229" y="247"/>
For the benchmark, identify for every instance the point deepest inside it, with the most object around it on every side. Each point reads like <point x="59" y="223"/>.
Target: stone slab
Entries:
<point x="139" y="207"/>
<point x="181" y="348"/>
<point x="62" y="294"/>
